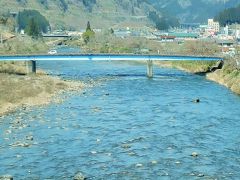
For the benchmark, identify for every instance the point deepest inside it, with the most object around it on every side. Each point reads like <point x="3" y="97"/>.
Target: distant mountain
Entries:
<point x="229" y="16"/>
<point x="193" y="10"/>
<point x="74" y="14"/>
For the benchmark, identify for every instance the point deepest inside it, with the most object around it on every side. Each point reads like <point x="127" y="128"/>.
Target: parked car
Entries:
<point x="52" y="52"/>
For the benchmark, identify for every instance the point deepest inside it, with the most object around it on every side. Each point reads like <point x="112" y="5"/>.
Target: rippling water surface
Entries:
<point x="126" y="127"/>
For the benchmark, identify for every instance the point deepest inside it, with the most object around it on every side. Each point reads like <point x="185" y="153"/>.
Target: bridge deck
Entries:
<point x="104" y="57"/>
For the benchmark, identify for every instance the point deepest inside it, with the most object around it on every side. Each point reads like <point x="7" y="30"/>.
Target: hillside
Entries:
<point x="193" y="10"/>
<point x="74" y="14"/>
<point x="229" y="16"/>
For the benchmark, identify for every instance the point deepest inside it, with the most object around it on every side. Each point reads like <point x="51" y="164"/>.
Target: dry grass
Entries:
<point x="17" y="91"/>
<point x="28" y="90"/>
<point x="12" y="67"/>
<point x="23" y="45"/>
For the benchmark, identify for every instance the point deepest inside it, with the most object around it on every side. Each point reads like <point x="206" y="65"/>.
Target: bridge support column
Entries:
<point x="149" y="69"/>
<point x="31" y="67"/>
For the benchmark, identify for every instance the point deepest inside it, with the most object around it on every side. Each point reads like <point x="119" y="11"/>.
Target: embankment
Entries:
<point x="22" y="91"/>
<point x="188" y="66"/>
<point x="228" y="76"/>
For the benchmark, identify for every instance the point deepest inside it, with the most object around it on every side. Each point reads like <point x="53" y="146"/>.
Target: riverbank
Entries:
<point x="228" y="76"/>
<point x="188" y="66"/>
<point x="22" y="91"/>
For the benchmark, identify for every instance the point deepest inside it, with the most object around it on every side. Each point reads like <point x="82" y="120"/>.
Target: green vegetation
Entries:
<point x="33" y="22"/>
<point x="88" y="34"/>
<point x="33" y="29"/>
<point x="164" y="22"/>
<point x="193" y="10"/>
<point x="106" y="13"/>
<point x="229" y="16"/>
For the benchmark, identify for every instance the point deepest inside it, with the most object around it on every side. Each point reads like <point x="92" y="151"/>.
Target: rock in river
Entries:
<point x="6" y="177"/>
<point x="79" y="176"/>
<point x="126" y="146"/>
<point x="139" y="165"/>
<point x="154" y="162"/>
<point x="196" y="100"/>
<point x="194" y="154"/>
<point x="29" y="138"/>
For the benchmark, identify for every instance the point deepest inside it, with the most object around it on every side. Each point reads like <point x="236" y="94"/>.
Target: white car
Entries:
<point x="52" y="52"/>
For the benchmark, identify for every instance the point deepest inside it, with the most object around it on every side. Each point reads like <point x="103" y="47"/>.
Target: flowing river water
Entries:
<point x="126" y="127"/>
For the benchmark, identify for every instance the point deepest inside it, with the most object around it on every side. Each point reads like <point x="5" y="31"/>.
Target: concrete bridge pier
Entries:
<point x="31" y="67"/>
<point x="149" y="69"/>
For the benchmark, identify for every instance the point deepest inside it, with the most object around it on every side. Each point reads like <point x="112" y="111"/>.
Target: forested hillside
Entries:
<point x="74" y="14"/>
<point x="229" y="16"/>
<point x="193" y="10"/>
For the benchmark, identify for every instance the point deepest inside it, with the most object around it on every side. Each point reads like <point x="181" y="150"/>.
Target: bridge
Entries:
<point x="31" y="59"/>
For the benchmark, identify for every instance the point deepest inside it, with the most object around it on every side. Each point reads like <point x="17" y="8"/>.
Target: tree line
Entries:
<point x="32" y="22"/>
<point x="163" y="22"/>
<point x="229" y="16"/>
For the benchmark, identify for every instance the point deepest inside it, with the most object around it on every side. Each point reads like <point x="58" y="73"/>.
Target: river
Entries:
<point x="126" y="127"/>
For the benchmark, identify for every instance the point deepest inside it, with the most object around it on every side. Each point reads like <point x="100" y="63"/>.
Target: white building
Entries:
<point x="226" y="30"/>
<point x="237" y="33"/>
<point x="214" y="25"/>
<point x="22" y="32"/>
